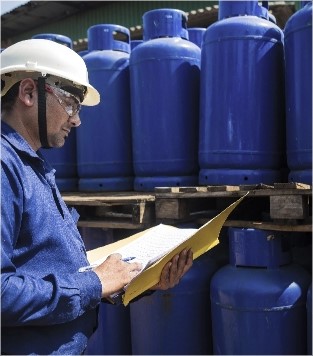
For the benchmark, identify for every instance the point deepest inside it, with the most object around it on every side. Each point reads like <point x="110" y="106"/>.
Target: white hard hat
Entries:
<point x="41" y="57"/>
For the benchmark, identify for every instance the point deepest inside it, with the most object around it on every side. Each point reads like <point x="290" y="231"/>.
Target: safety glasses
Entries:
<point x="68" y="101"/>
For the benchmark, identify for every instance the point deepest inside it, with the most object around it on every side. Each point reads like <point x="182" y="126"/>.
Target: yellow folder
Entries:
<point x="205" y="238"/>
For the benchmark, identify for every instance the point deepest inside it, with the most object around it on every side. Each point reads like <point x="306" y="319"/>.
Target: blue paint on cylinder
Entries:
<point x="112" y="336"/>
<point x="309" y="320"/>
<point x="62" y="159"/>
<point x="61" y="39"/>
<point x="164" y="79"/>
<point x="196" y="35"/>
<point x="176" y="321"/>
<point x="95" y="237"/>
<point x="242" y="130"/>
<point x="135" y="43"/>
<point x="83" y="52"/>
<point x="298" y="57"/>
<point x="104" y="152"/>
<point x="242" y="8"/>
<point x="259" y="300"/>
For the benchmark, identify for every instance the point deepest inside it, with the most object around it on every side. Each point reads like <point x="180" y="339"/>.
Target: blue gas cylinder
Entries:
<point x="298" y="57"/>
<point x="242" y="130"/>
<point x="176" y="321"/>
<point x="62" y="159"/>
<point x="104" y="152"/>
<point x="95" y="237"/>
<point x="259" y="300"/>
<point x="309" y="320"/>
<point x="112" y="336"/>
<point x="196" y="35"/>
<point x="164" y="79"/>
<point x="135" y="43"/>
<point x="83" y="52"/>
<point x="63" y="40"/>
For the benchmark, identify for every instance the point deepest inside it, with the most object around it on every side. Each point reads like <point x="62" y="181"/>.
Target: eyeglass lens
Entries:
<point x="68" y="101"/>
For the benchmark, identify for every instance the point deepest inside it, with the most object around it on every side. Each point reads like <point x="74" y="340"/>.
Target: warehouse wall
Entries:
<point x="124" y="13"/>
<point x="129" y="14"/>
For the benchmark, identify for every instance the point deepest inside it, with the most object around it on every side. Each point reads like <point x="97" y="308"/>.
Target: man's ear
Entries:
<point x="26" y="91"/>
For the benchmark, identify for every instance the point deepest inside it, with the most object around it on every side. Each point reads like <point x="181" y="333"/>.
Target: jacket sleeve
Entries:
<point x="30" y="298"/>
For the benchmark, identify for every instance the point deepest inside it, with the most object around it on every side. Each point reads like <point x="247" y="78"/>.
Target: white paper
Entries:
<point x="153" y="245"/>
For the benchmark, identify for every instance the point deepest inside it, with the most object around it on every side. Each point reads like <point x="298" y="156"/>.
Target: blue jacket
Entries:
<point x="47" y="306"/>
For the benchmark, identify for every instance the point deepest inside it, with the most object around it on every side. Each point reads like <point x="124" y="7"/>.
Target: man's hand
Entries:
<point x="174" y="270"/>
<point x="115" y="274"/>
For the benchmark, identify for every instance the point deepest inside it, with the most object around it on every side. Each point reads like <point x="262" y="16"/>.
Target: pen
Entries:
<point x="127" y="259"/>
<point x="87" y="268"/>
<point x="90" y="267"/>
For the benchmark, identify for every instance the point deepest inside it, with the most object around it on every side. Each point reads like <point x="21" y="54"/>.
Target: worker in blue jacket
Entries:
<point x="47" y="305"/>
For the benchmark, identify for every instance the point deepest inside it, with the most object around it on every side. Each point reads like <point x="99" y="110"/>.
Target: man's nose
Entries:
<point x="75" y="120"/>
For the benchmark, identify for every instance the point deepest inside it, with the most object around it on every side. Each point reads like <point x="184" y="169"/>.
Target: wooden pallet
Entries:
<point x="122" y="210"/>
<point x="282" y="207"/>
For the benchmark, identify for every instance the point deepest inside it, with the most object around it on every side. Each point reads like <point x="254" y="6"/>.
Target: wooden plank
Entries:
<point x="139" y="213"/>
<point x="246" y="187"/>
<point x="289" y="207"/>
<point x="192" y="189"/>
<point x="166" y="189"/>
<point x="222" y="188"/>
<point x="111" y="224"/>
<point x="266" y="192"/>
<point x="143" y="213"/>
<point x="180" y="189"/>
<point x="105" y="198"/>
<point x="113" y="215"/>
<point x="269" y="226"/>
<point x="171" y="209"/>
<point x="291" y="185"/>
<point x="261" y="225"/>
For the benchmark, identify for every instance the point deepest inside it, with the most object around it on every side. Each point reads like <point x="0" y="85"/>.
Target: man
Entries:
<point x="47" y="305"/>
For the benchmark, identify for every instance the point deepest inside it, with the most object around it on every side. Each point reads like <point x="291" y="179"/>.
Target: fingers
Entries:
<point x="132" y="266"/>
<point x="189" y="261"/>
<point x="174" y="270"/>
<point x="115" y="274"/>
<point x="181" y="263"/>
<point x="164" y="282"/>
<point x="117" y="256"/>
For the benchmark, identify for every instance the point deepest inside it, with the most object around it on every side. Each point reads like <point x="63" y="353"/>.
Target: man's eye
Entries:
<point x="69" y="102"/>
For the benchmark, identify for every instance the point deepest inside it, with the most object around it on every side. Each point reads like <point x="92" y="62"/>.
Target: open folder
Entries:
<point x="156" y="246"/>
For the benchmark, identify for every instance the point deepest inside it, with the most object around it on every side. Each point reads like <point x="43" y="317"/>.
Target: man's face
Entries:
<point x="62" y="115"/>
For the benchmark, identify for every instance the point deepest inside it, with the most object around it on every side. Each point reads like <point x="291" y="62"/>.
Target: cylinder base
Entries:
<point x="67" y="184"/>
<point x="238" y="176"/>
<point x="149" y="183"/>
<point x="301" y="176"/>
<point x="105" y="184"/>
